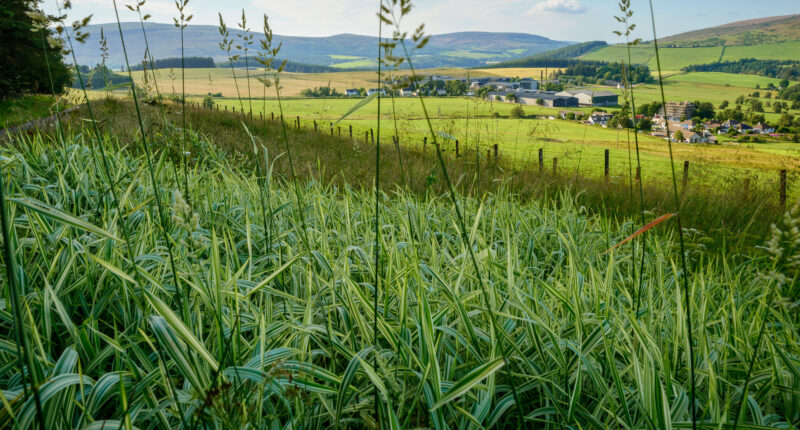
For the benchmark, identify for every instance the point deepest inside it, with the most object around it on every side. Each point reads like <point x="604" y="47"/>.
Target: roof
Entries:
<point x="592" y="93"/>
<point x="542" y="96"/>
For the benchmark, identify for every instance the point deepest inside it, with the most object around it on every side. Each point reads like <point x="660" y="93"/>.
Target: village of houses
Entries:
<point x="526" y="91"/>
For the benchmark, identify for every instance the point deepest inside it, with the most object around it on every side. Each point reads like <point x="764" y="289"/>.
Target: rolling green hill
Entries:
<point x="761" y="31"/>
<point x="464" y="49"/>
<point x="776" y="38"/>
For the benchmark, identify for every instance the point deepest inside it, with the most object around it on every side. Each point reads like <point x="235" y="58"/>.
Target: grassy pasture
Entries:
<point x="732" y="79"/>
<point x="23" y="109"/>
<point x="273" y="329"/>
<point x="573" y="143"/>
<point x="776" y="51"/>
<point x="677" y="58"/>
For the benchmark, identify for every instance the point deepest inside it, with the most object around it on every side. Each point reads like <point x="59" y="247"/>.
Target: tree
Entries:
<point x="517" y="112"/>
<point x="645" y="124"/>
<point x="704" y="110"/>
<point x="724" y="104"/>
<point x="784" y="83"/>
<point x="778" y="108"/>
<point x="511" y="97"/>
<point x="27" y="47"/>
<point x="456" y="88"/>
<point x="679" y="136"/>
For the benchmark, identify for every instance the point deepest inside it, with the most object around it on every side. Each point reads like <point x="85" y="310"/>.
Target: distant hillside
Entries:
<point x="467" y="49"/>
<point x="741" y="33"/>
<point x="776" y="38"/>
<point x="567" y="52"/>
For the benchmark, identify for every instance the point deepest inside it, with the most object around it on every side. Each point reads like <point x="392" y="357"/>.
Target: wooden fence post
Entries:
<point x="315" y="126"/>
<point x="496" y="151"/>
<point x="606" y="174"/>
<point x="638" y="173"/>
<point x="541" y="159"/>
<point x="298" y="122"/>
<point x="366" y="137"/>
<point x="371" y="136"/>
<point x="424" y="144"/>
<point x="456" y="148"/>
<point x="746" y="188"/>
<point x="339" y="130"/>
<point x="685" y="173"/>
<point x="555" y="165"/>
<point x="351" y="132"/>
<point x="783" y="188"/>
<point x="273" y="116"/>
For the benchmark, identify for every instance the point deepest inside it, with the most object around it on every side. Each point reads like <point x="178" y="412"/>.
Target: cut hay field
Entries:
<point x="204" y="81"/>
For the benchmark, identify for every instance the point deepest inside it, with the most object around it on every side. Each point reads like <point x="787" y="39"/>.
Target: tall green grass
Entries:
<point x="565" y="307"/>
<point x="492" y="312"/>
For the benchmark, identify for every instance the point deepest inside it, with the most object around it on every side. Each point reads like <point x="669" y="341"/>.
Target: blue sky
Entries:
<point x="572" y="20"/>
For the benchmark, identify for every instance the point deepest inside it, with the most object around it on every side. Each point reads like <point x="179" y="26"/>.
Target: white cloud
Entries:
<point x="558" y="6"/>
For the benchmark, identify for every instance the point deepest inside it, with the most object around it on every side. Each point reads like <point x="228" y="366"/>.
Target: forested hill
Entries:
<point x="344" y="51"/>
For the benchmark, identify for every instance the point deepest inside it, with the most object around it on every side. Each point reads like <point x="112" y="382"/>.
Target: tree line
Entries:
<point x="175" y="62"/>
<point x="26" y="49"/>
<point x="780" y="69"/>
<point x="598" y="72"/>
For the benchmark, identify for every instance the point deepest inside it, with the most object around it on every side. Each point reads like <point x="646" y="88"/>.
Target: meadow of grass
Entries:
<point x="732" y="79"/>
<point x="23" y="109"/>
<point x="776" y="51"/>
<point x="671" y="58"/>
<point x="677" y="58"/>
<point x="579" y="148"/>
<point x="619" y="53"/>
<point x="282" y="335"/>
<point x="241" y="271"/>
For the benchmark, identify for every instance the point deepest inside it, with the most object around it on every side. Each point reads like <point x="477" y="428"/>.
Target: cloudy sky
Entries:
<point x="571" y="20"/>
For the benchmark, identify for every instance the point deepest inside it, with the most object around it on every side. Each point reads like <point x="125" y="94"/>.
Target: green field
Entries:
<point x="245" y="297"/>
<point x="671" y="58"/>
<point x="345" y="57"/>
<point x="578" y="147"/>
<point x="725" y="79"/>
<point x="778" y="51"/>
<point x="23" y="109"/>
<point x="677" y="58"/>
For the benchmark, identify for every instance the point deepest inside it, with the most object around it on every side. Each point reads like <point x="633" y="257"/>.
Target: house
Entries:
<point x="588" y="97"/>
<point x="352" y="92"/>
<point x="599" y="118"/>
<point x="372" y="91"/>
<point x="691" y="136"/>
<point x="763" y="128"/>
<point x="548" y="100"/>
<point x="441" y="92"/>
<point x="407" y="92"/>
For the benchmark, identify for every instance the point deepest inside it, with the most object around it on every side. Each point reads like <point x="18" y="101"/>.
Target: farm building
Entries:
<point x="592" y="98"/>
<point x="351" y="92"/>
<point x="548" y="100"/>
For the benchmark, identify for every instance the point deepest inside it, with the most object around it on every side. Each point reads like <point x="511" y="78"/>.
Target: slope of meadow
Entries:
<point x="251" y="302"/>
